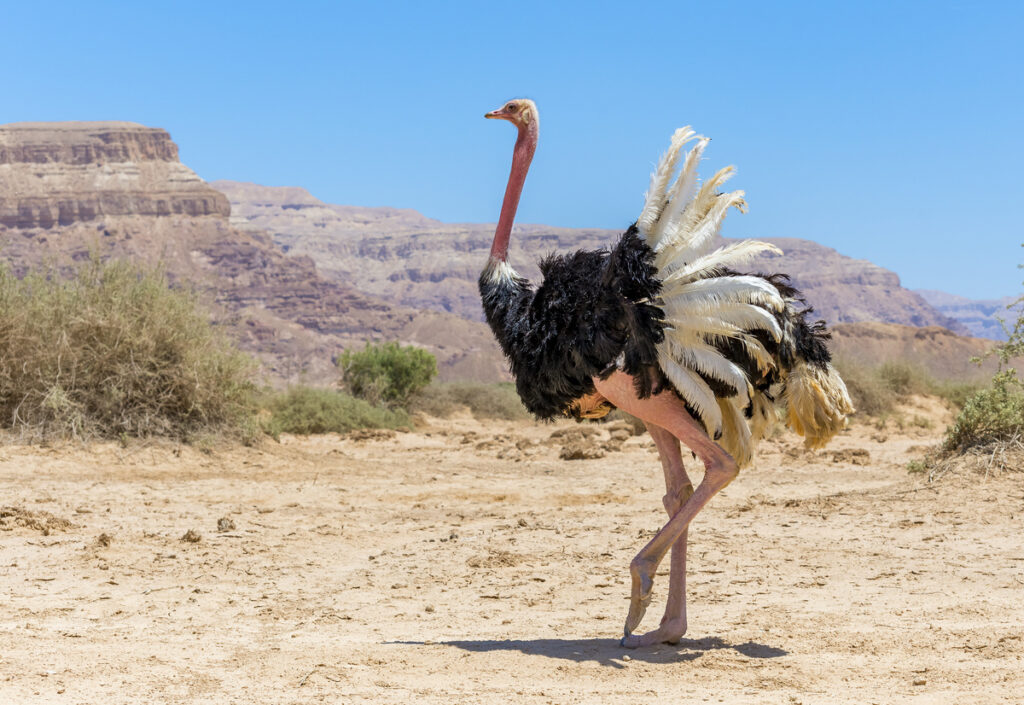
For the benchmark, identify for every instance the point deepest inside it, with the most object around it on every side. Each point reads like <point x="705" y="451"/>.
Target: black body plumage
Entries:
<point x="597" y="311"/>
<point x="591" y="314"/>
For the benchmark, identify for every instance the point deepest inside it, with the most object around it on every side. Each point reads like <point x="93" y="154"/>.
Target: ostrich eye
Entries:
<point x="511" y="107"/>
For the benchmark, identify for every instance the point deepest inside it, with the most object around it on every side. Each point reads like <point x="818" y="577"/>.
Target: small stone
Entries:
<point x="225" y="524"/>
<point x="920" y="681"/>
<point x="192" y="536"/>
<point x="428" y="608"/>
<point x="627" y="658"/>
<point x="581" y="450"/>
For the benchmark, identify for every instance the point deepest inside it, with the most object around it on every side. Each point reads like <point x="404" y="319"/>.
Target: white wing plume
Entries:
<point x="707" y="306"/>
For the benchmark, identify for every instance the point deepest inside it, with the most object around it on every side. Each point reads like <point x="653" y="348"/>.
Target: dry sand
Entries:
<point x="467" y="563"/>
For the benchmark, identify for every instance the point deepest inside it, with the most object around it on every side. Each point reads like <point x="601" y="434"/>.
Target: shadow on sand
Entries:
<point x="607" y="652"/>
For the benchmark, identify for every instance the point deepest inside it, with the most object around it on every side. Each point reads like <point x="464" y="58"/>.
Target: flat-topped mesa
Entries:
<point x="61" y="173"/>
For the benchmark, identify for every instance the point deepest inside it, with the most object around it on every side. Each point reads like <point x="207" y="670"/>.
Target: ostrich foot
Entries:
<point x="640" y="597"/>
<point x="670" y="632"/>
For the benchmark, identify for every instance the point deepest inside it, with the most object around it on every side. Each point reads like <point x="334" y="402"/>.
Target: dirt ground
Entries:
<point x="469" y="563"/>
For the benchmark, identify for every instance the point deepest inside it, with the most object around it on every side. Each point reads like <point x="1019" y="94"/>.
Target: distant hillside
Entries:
<point x="408" y="258"/>
<point x="980" y="316"/>
<point x="942" y="353"/>
<point x="118" y="189"/>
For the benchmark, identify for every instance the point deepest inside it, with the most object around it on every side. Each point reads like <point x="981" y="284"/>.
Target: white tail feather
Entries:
<point x="739" y="289"/>
<point x="736" y="436"/>
<point x="705" y="309"/>
<point x="683" y="191"/>
<point x="654" y="201"/>
<point x="709" y="362"/>
<point x="712" y="317"/>
<point x="696" y="392"/>
<point x="728" y="256"/>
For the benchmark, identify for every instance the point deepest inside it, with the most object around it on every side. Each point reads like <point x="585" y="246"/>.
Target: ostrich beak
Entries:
<point x="498" y="114"/>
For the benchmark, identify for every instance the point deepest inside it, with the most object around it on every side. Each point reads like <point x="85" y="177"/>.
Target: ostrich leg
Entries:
<point x="678" y="489"/>
<point x="665" y="410"/>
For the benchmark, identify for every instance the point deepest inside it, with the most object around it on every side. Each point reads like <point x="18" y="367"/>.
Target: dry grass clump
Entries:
<point x="114" y="352"/>
<point x="876" y="390"/>
<point x="485" y="401"/>
<point x="991" y="458"/>
<point x="308" y="410"/>
<point x="44" y="522"/>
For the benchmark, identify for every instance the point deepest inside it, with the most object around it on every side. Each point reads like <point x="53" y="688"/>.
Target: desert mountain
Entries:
<point x="118" y="189"/>
<point x="980" y="316"/>
<point x="424" y="263"/>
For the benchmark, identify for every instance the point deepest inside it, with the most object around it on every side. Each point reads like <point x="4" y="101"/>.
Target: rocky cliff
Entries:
<point x="424" y="263"/>
<point x="118" y="190"/>
<point x="62" y="173"/>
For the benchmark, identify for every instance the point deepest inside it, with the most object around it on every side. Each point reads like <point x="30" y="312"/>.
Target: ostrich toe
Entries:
<point x="642" y="591"/>
<point x="670" y="632"/>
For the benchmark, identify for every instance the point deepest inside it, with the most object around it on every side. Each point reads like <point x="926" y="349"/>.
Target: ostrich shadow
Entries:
<point x="607" y="652"/>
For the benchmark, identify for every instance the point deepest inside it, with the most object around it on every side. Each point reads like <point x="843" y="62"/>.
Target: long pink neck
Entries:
<point x="526" y="145"/>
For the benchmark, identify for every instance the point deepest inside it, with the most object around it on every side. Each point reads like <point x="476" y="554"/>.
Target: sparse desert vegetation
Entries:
<point x="309" y="410"/>
<point x="113" y="351"/>
<point x="496" y="400"/>
<point x="876" y="390"/>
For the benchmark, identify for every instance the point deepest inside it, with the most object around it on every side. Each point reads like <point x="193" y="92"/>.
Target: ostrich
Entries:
<point x="667" y="330"/>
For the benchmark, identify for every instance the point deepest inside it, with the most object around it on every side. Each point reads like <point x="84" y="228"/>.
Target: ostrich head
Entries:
<point x="521" y="112"/>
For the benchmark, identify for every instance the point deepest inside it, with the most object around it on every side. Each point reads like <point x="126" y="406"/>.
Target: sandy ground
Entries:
<point x="467" y="563"/>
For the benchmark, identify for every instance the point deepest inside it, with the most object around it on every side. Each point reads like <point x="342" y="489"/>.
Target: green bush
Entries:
<point x="485" y="401"/>
<point x="995" y="414"/>
<point x="991" y="415"/>
<point x="114" y="352"/>
<point x="306" y="410"/>
<point x="387" y="372"/>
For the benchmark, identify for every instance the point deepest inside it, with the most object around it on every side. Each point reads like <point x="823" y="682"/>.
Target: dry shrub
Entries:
<point x="992" y="458"/>
<point x="870" y="395"/>
<point x="114" y="352"/>
<point x="485" y="401"/>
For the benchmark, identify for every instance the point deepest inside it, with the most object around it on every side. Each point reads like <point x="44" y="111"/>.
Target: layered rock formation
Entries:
<point x="982" y="317"/>
<point x="62" y="173"/>
<point x="118" y="190"/>
<point x="425" y="263"/>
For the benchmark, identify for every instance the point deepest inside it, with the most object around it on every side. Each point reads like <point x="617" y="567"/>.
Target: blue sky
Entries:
<point x="890" y="131"/>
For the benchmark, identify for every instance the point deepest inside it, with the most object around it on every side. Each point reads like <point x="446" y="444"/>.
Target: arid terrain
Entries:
<point x="467" y="563"/>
